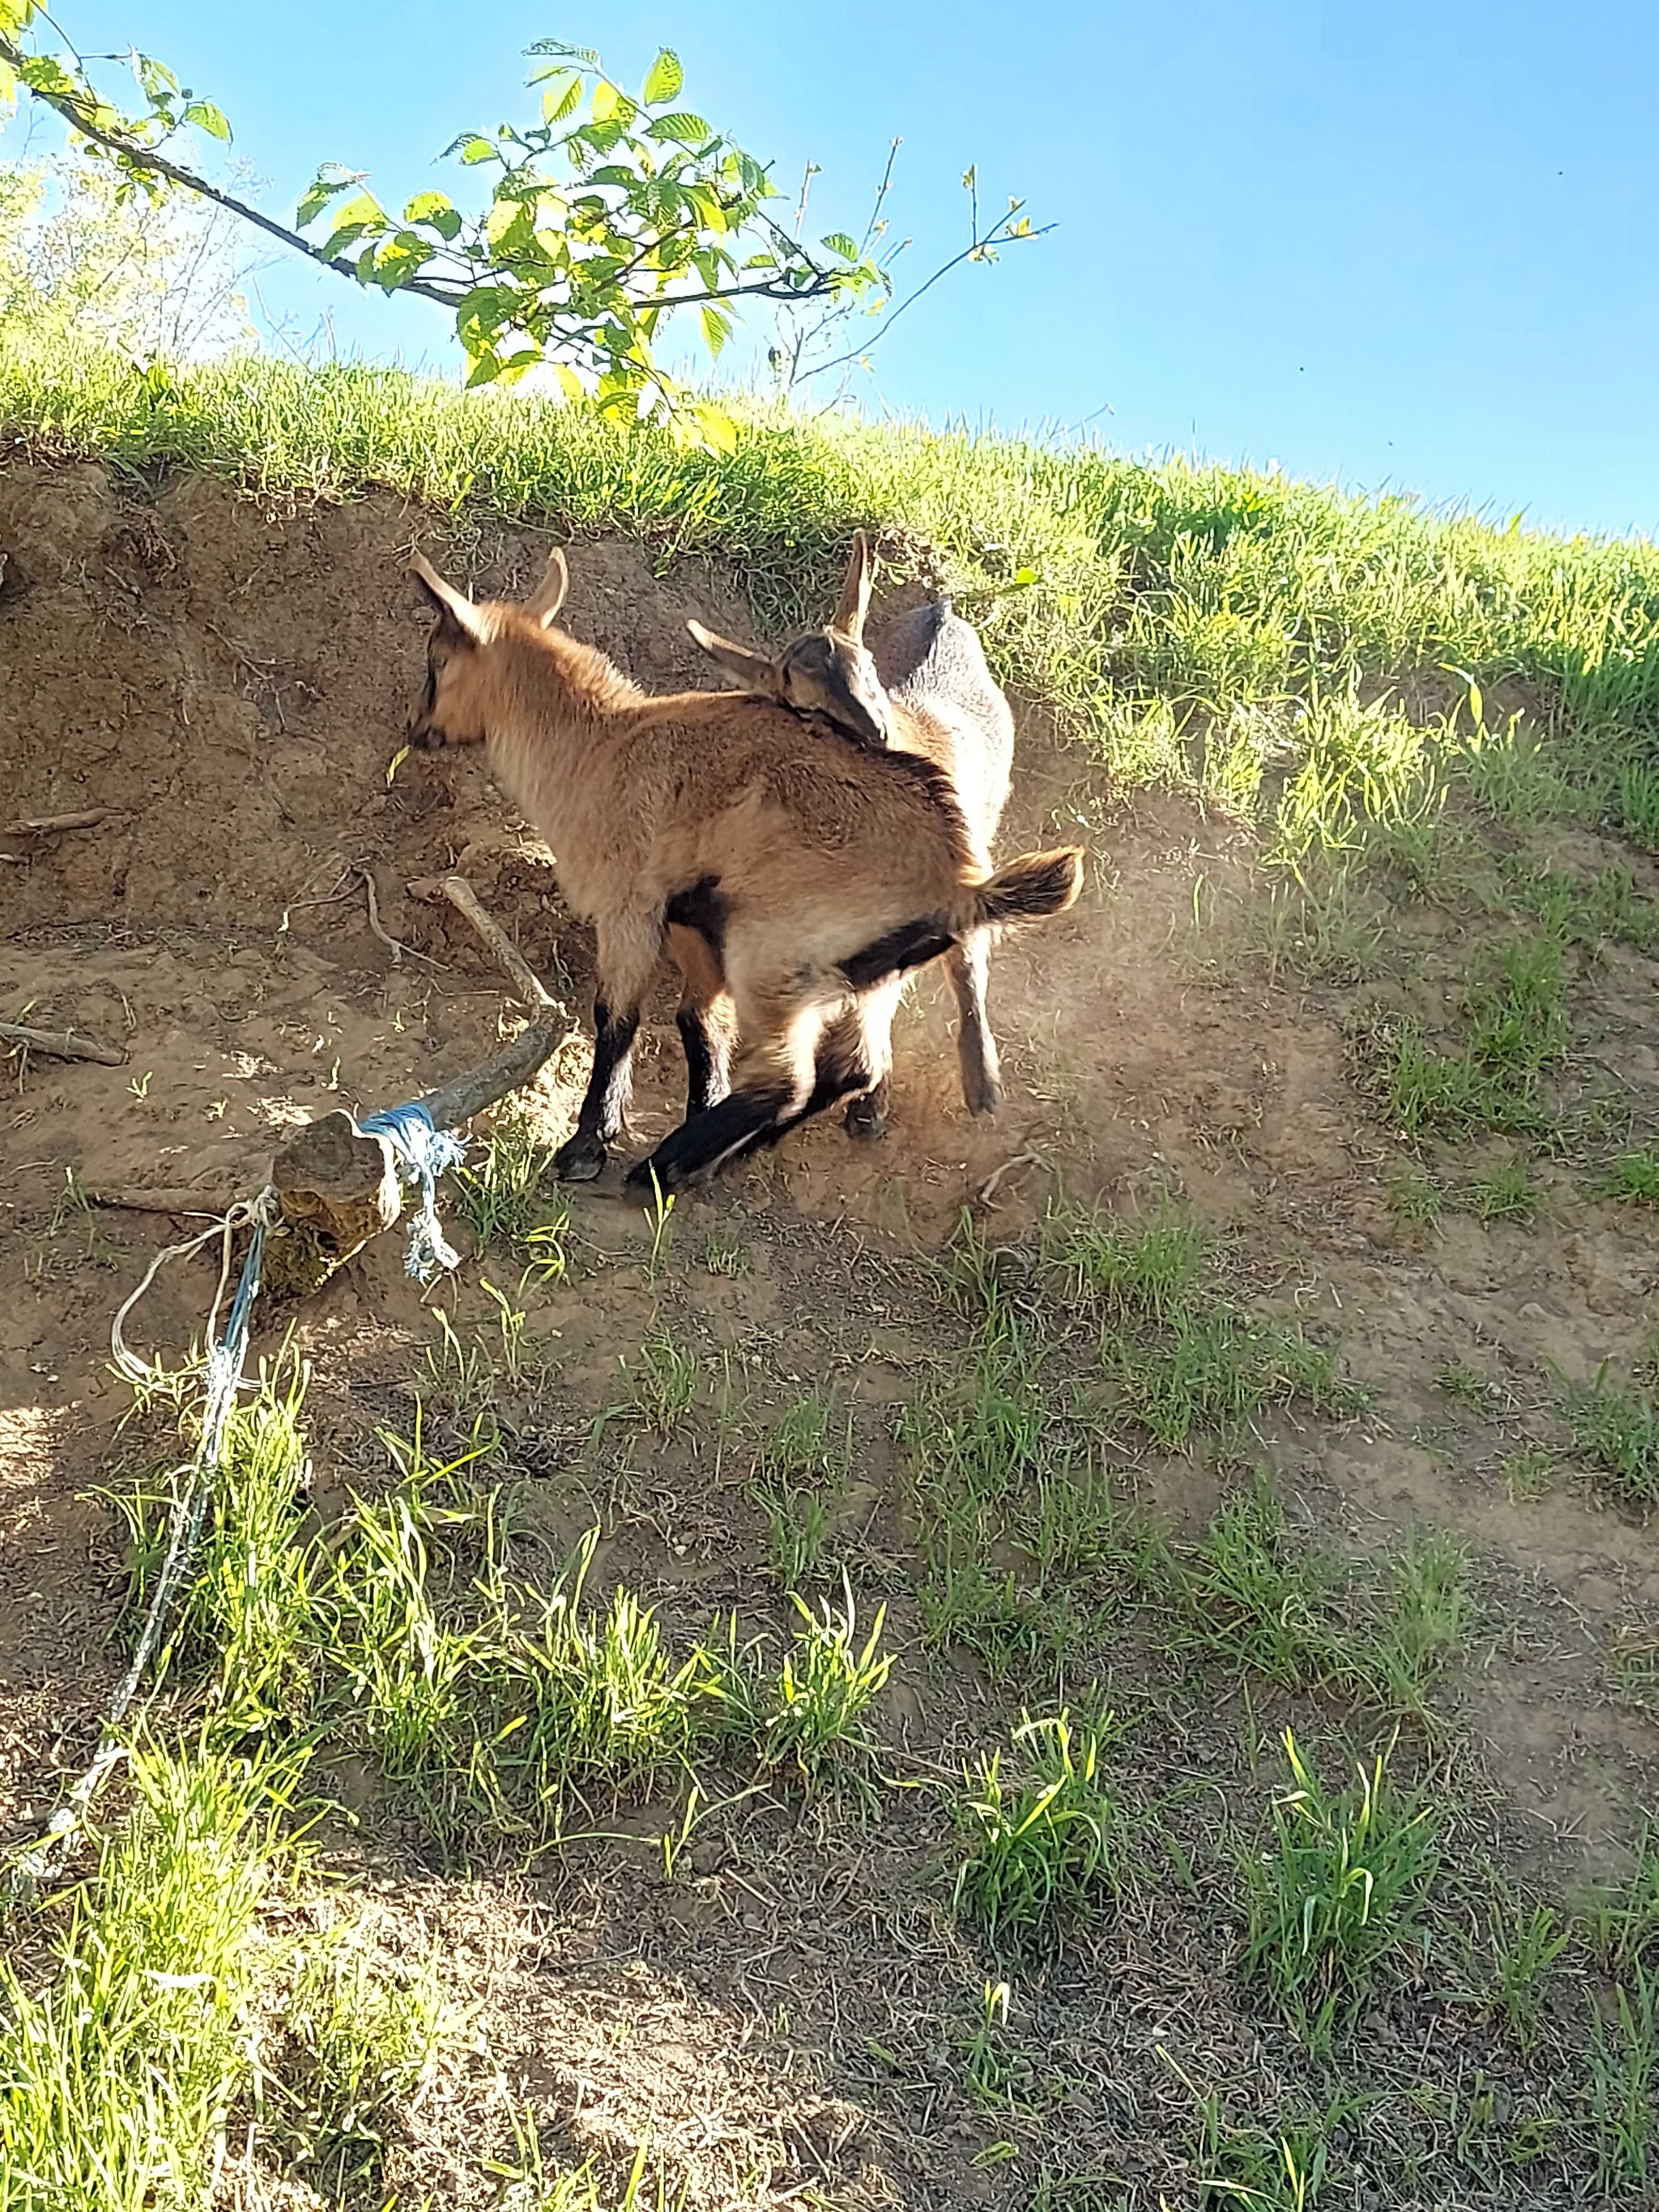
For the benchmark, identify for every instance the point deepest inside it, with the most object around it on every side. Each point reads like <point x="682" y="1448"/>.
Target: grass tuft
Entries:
<point x="1618" y="1432"/>
<point x="1340" y="1891"/>
<point x="1040" y="1844"/>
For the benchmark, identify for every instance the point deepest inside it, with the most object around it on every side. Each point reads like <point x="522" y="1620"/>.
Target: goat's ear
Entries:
<point x="449" y="603"/>
<point x="855" y="592"/>
<point x="545" y="602"/>
<point x="752" y="670"/>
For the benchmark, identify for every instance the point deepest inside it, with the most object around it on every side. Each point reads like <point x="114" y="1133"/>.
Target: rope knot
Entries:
<point x="423" y="1152"/>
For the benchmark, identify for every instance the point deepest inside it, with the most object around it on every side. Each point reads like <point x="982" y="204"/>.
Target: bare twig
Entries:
<point x="59" y="1044"/>
<point x="393" y="945"/>
<point x="48" y="825"/>
<point x="212" y="1205"/>
<point x="511" y="963"/>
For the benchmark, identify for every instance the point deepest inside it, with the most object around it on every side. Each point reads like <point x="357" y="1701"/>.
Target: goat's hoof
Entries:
<point x="987" y="1099"/>
<point x="582" y="1160"/>
<point x="865" y="1119"/>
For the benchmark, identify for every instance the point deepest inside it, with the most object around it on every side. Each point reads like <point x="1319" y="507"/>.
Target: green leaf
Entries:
<point x="363" y="213"/>
<point x="7" y="86"/>
<point x="206" y="116"/>
<point x="562" y="97"/>
<point x="1023" y="576"/>
<point x="665" y="79"/>
<point x="839" y="242"/>
<point x="683" y="129"/>
<point x="510" y="226"/>
<point x="474" y="149"/>
<point x="607" y="99"/>
<point x="718" y="431"/>
<point x="716" y="329"/>
<point x="156" y="77"/>
<point x="433" y="208"/>
<point x="586" y="55"/>
<point x="319" y="193"/>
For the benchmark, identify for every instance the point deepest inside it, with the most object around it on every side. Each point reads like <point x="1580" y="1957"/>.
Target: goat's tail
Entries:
<point x="1031" y="889"/>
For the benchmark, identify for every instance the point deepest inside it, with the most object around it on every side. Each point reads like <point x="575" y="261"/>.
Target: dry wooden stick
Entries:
<point x="59" y="1044"/>
<point x="335" y="1186"/>
<point x="513" y="963"/>
<point x="210" y="1204"/>
<point x="392" y="945"/>
<point x="48" y="825"/>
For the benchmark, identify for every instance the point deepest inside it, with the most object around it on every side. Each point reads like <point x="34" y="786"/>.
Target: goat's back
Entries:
<point x="932" y="664"/>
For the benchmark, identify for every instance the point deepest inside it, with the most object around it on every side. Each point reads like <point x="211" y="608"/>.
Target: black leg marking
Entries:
<point x="705" y="1141"/>
<point x="610" y="1088"/>
<point x="706" y="1057"/>
<point x="867" y="1117"/>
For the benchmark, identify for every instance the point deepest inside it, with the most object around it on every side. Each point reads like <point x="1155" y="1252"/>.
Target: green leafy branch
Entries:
<point x="604" y="219"/>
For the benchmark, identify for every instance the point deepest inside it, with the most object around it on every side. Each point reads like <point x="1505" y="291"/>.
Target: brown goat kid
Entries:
<point x="925" y="689"/>
<point x="796" y="873"/>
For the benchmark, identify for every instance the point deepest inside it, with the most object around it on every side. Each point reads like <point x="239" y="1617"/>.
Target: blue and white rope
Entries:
<point x="423" y="1152"/>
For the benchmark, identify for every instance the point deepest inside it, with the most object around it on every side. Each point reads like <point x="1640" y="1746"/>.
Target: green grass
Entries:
<point x="821" y="1700"/>
<point x="119" y="2071"/>
<point x="1623" y="1925"/>
<point x="1041" y="1843"/>
<point x="1633" y="1180"/>
<point x="1415" y="1199"/>
<point x="800" y="1479"/>
<point x="1518" y="1031"/>
<point x="509" y="1194"/>
<point x="662" y="1381"/>
<point x="1526" y="1945"/>
<point x="1166" y="593"/>
<point x="1625" y="2089"/>
<point x="249" y="1618"/>
<point x="367" y="2032"/>
<point x="1618" y="1432"/>
<point x="1252" y="1596"/>
<point x="1340" y="1889"/>
<point x="1505" y="1192"/>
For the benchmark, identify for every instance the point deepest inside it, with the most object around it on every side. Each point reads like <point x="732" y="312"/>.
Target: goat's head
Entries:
<point x="827" y="671"/>
<point x="453" y="709"/>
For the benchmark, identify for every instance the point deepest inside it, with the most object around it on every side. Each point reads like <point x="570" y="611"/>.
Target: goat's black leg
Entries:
<point x="705" y="1141"/>
<point x="609" y="1088"/>
<point x="748" y="1121"/>
<point x="708" y="1051"/>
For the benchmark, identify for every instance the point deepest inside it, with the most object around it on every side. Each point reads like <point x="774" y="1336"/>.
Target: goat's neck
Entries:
<point x="552" y="743"/>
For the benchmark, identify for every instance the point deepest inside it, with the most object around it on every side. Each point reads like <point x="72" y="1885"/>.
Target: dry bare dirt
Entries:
<point x="227" y="678"/>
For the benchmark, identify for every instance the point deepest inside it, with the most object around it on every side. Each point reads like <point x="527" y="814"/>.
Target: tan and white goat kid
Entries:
<point x="922" y="686"/>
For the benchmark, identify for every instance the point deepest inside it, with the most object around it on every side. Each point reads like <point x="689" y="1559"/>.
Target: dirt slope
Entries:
<point x="228" y="678"/>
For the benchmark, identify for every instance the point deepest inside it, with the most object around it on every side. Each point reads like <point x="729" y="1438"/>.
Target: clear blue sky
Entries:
<point x="1414" y="245"/>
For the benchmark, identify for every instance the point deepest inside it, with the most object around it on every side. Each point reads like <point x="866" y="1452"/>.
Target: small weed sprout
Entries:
<point x="723" y="1253"/>
<point x="663" y="1387"/>
<point x="1525" y="1948"/>
<point x="824" y="1690"/>
<point x="797" y="1485"/>
<point x="1633" y="1180"/>
<point x="1039" y="1845"/>
<point x="1618" y="1432"/>
<point x="1341" y="1889"/>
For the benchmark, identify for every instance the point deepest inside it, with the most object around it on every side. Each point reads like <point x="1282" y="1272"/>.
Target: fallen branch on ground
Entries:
<point x="337" y="1186"/>
<point x="48" y="825"/>
<point x="59" y="1044"/>
<point x="212" y="1205"/>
